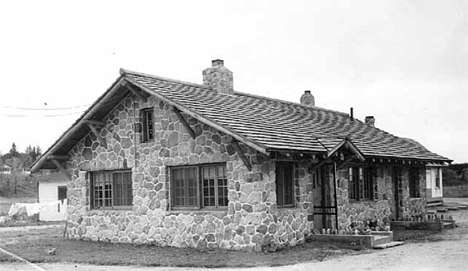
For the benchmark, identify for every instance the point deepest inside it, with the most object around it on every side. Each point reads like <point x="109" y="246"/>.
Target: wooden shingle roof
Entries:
<point x="281" y="125"/>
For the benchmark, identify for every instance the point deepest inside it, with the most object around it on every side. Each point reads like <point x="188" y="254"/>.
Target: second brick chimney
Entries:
<point x="370" y="120"/>
<point x="218" y="77"/>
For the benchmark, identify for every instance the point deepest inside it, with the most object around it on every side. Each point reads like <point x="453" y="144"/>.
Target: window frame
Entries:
<point x="200" y="189"/>
<point x="147" y="129"/>
<point x="363" y="188"/>
<point x="124" y="191"/>
<point x="438" y="176"/>
<point x="282" y="185"/>
<point x="414" y="187"/>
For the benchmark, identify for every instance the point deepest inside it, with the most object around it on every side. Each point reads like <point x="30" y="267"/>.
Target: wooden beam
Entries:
<point x="61" y="168"/>
<point x="241" y="154"/>
<point x="134" y="91"/>
<point x="321" y="163"/>
<point x="95" y="122"/>
<point x="345" y="162"/>
<point x="184" y="122"/>
<point x="96" y="133"/>
<point x="58" y="157"/>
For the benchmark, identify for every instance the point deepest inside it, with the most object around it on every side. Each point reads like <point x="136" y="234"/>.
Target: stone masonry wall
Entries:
<point x="382" y="207"/>
<point x="251" y="221"/>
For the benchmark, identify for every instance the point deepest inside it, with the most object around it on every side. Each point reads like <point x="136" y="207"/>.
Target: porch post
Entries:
<point x="336" y="200"/>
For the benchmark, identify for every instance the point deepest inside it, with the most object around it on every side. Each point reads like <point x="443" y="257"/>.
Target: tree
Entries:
<point x="13" y="151"/>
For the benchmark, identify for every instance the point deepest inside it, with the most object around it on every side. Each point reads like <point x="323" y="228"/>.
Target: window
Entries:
<point x="111" y="189"/>
<point x="437" y="178"/>
<point x="284" y="185"/>
<point x="414" y="183"/>
<point x="148" y="127"/>
<point x="62" y="192"/>
<point x="360" y="185"/>
<point x="62" y="195"/>
<point x="198" y="187"/>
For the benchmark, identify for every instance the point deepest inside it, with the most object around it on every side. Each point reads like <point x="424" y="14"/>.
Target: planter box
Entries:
<point x="368" y="241"/>
<point x="422" y="225"/>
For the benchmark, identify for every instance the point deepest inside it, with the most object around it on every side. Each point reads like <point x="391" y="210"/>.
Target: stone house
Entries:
<point x="166" y="162"/>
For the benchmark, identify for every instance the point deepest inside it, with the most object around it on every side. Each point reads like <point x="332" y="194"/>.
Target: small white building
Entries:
<point x="434" y="184"/>
<point x="52" y="191"/>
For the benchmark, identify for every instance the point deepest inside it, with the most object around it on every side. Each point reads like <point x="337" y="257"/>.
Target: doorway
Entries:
<point x="324" y="197"/>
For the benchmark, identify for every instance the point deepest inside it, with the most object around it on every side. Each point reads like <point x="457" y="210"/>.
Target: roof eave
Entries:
<point x="78" y="123"/>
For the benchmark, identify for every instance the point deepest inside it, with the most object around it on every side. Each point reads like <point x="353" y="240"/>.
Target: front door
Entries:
<point x="324" y="197"/>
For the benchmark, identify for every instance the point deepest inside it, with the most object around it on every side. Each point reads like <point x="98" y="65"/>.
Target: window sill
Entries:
<point x="363" y="201"/>
<point x="107" y="210"/>
<point x="144" y="143"/>
<point x="197" y="211"/>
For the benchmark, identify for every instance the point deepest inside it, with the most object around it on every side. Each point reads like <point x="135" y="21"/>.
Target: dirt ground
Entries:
<point x="444" y="251"/>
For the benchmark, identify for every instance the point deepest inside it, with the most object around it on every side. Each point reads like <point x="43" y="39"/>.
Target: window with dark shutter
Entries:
<point x="284" y="185"/>
<point x="414" y="183"/>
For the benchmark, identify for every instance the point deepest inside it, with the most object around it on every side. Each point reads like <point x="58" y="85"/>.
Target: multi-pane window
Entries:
<point x="196" y="187"/>
<point x="111" y="189"/>
<point x="437" y="177"/>
<point x="148" y="126"/>
<point x="360" y="185"/>
<point x="284" y="185"/>
<point x="414" y="183"/>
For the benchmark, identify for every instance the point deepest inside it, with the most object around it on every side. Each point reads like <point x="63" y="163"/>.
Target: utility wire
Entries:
<point x="47" y="116"/>
<point x="112" y="100"/>
<point x="38" y="109"/>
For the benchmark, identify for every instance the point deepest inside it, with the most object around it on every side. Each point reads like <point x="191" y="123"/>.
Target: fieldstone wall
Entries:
<point x="382" y="207"/>
<point x="413" y="206"/>
<point x="251" y="221"/>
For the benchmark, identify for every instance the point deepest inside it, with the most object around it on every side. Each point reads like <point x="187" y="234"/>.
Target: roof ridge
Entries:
<point x="123" y="72"/>
<point x="291" y="103"/>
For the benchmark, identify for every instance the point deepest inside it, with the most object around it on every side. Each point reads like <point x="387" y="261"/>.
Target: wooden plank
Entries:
<point x="184" y="123"/>
<point x="61" y="168"/>
<point x="96" y="133"/>
<point x="134" y="91"/>
<point x="241" y="154"/>
<point x="95" y="122"/>
<point x="58" y="157"/>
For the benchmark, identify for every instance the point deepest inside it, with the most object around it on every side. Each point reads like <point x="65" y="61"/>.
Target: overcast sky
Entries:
<point x="403" y="61"/>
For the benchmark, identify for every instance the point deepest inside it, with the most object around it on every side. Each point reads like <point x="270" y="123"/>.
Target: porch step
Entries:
<point x="388" y="245"/>
<point x="452" y="208"/>
<point x="448" y="225"/>
<point x="434" y="204"/>
<point x="441" y="210"/>
<point x="463" y="207"/>
<point x="382" y="239"/>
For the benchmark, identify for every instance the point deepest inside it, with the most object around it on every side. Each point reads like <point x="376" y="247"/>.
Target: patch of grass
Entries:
<point x="34" y="245"/>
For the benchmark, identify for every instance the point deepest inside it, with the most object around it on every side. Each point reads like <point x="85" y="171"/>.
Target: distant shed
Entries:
<point x="52" y="190"/>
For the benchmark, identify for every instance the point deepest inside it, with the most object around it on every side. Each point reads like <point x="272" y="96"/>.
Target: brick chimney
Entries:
<point x="370" y="120"/>
<point x="307" y="99"/>
<point x="218" y="77"/>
